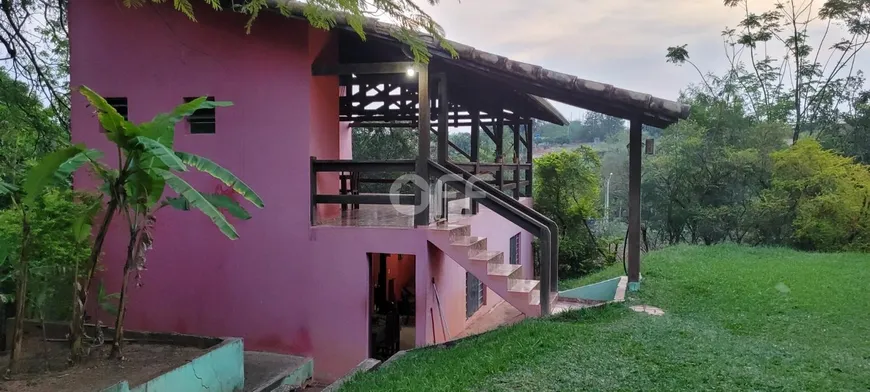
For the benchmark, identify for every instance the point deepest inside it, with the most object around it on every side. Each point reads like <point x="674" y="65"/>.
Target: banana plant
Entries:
<point x="147" y="164"/>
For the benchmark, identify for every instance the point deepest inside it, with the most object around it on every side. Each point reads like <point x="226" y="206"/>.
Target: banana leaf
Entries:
<point x="161" y="153"/>
<point x="71" y="165"/>
<point x="118" y="130"/>
<point x="43" y="173"/>
<point x="6" y="188"/>
<point x="208" y="166"/>
<point x="197" y="200"/>
<point x="218" y="200"/>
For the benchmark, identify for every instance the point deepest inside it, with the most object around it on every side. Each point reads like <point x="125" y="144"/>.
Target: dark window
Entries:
<point x="202" y="120"/>
<point x="120" y="104"/>
<point x="474" y="291"/>
<point x="515" y="249"/>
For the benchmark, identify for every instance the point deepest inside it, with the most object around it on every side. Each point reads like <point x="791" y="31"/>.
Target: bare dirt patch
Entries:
<point x="45" y="367"/>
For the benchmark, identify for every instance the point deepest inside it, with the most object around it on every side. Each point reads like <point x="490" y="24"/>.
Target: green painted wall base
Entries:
<point x="300" y="375"/>
<point x="221" y="369"/>
<point x="633" y="286"/>
<point x="601" y="291"/>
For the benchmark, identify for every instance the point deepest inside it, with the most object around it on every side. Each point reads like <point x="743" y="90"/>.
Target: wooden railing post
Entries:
<point x="342" y="190"/>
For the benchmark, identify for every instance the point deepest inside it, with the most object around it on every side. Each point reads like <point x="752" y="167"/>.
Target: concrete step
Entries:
<point x="489" y="256"/>
<point x="523" y="286"/>
<point x="505" y="270"/>
<point x="472" y="244"/>
<point x="265" y="372"/>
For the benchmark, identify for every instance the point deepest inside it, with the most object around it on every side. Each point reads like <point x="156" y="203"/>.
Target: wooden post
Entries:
<point x="515" y="127"/>
<point x="475" y="147"/>
<point x="421" y="218"/>
<point x="443" y="117"/>
<point x="342" y="178"/>
<point x="529" y="157"/>
<point x="498" y="133"/>
<point x="634" y="168"/>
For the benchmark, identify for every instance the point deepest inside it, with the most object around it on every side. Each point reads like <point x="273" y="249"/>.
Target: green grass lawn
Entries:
<point x="736" y="319"/>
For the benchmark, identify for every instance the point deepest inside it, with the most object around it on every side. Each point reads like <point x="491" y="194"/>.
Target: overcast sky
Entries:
<point x="621" y="42"/>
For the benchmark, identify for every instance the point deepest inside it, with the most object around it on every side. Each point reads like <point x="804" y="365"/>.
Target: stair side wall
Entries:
<point x="450" y="276"/>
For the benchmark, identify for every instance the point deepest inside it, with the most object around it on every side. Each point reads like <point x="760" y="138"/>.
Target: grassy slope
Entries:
<point x="736" y="319"/>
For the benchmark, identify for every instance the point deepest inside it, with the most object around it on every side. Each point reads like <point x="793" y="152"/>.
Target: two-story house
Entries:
<point x="329" y="266"/>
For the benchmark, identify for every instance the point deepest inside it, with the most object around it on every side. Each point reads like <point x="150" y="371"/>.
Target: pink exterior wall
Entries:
<point x="283" y="286"/>
<point x="197" y="280"/>
<point x="324" y="126"/>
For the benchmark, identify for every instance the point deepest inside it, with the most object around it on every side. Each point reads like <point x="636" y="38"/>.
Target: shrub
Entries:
<point x="826" y="197"/>
<point x="54" y="253"/>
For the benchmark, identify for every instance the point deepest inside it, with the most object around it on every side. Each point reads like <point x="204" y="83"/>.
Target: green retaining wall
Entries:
<point x="221" y="369"/>
<point x="601" y="291"/>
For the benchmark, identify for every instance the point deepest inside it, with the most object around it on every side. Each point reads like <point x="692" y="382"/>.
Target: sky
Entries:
<point x="620" y="42"/>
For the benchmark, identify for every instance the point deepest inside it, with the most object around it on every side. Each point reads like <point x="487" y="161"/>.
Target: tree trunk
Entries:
<point x="77" y="324"/>
<point x="20" y="297"/>
<point x="118" y="342"/>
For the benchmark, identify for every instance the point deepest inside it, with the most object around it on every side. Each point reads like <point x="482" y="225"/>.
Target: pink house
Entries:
<point x="330" y="265"/>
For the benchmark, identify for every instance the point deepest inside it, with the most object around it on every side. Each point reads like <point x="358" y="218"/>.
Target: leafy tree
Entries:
<point x="852" y="137"/>
<point x="566" y="189"/>
<point x="27" y="130"/>
<point x="54" y="252"/>
<point x="707" y="173"/>
<point x="805" y="86"/>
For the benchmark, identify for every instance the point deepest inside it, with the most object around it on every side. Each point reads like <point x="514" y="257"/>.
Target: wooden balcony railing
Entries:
<point x="514" y="183"/>
<point x="349" y="176"/>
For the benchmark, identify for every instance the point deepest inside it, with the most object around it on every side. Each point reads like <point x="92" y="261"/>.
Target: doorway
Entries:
<point x="392" y="304"/>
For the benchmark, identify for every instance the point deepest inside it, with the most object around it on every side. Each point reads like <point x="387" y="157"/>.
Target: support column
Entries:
<point x="529" y="156"/>
<point x="498" y="133"/>
<point x="634" y="168"/>
<point x="515" y="127"/>
<point x="421" y="197"/>
<point x="443" y="117"/>
<point x="475" y="146"/>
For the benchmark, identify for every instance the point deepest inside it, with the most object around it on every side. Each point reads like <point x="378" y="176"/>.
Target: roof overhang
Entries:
<point x="532" y="81"/>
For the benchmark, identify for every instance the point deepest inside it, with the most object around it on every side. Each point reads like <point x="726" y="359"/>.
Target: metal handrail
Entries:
<point x="554" y="228"/>
<point x="511" y="213"/>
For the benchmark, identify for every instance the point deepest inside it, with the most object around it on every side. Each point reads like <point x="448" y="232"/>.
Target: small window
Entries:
<point x="120" y="104"/>
<point x="202" y="120"/>
<point x="474" y="294"/>
<point x="515" y="249"/>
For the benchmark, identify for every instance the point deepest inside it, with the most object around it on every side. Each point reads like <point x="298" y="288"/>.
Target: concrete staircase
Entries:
<point x="490" y="267"/>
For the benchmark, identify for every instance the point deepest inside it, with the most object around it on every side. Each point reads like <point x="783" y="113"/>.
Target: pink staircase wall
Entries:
<point x="450" y="276"/>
